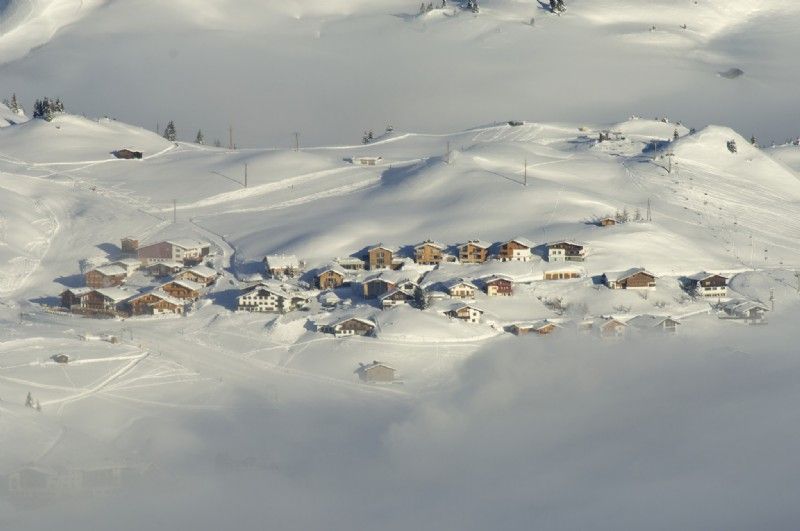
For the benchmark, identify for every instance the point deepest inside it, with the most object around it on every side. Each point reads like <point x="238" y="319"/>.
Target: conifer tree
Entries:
<point x="170" y="133"/>
<point x="199" y="139"/>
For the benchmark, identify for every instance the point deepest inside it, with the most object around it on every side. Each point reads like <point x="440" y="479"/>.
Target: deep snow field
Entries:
<point x="257" y="421"/>
<point x="220" y="403"/>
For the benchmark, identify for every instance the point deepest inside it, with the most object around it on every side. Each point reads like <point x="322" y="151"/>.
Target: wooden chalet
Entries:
<point x="708" y="285"/>
<point x="351" y="326"/>
<point x="376" y="372"/>
<point x="653" y="323"/>
<point x="429" y="253"/>
<point x="269" y="299"/>
<point x="72" y="297"/>
<point x="282" y="265"/>
<point x="373" y="288"/>
<point x="182" y="289"/>
<point x="749" y="311"/>
<point x="635" y="278"/>
<point x="163" y="269"/>
<point x="565" y="251"/>
<point x="517" y="250"/>
<point x="130" y="265"/>
<point x="498" y="286"/>
<point x="606" y="222"/>
<point x="397" y="297"/>
<point x="564" y="272"/>
<point x="129" y="246"/>
<point x="107" y="276"/>
<point x="474" y="252"/>
<point x="541" y="328"/>
<point x="465" y="312"/>
<point x="156" y="303"/>
<point x="461" y="289"/>
<point x="103" y="301"/>
<point x="187" y="251"/>
<point x="351" y="263"/>
<point x="330" y="278"/>
<point x="205" y="276"/>
<point x="609" y="328"/>
<point x="382" y="257"/>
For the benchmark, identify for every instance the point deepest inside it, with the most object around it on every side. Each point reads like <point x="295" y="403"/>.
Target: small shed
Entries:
<point x="127" y="154"/>
<point x="376" y="372"/>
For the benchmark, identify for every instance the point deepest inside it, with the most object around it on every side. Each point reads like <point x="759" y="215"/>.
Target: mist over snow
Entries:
<point x="332" y="69"/>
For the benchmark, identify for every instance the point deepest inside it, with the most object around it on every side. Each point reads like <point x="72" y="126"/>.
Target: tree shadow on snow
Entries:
<point x="110" y="249"/>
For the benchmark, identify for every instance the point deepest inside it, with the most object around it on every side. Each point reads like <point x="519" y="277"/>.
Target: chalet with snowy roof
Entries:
<point x="465" y="312"/>
<point x="461" y="289"/>
<point x="606" y="222"/>
<point x="653" y="323"/>
<point x="282" y="265"/>
<point x="634" y="278"/>
<point x="199" y="274"/>
<point x="474" y="252"/>
<point x="396" y="297"/>
<point x="608" y="327"/>
<point x="542" y="328"/>
<point x="107" y="276"/>
<point x="382" y="257"/>
<point x="351" y="263"/>
<point x="109" y="301"/>
<point x="366" y="161"/>
<point x="72" y="297"/>
<point x="746" y="310"/>
<point x="130" y="265"/>
<point x="560" y="271"/>
<point x="186" y="251"/>
<point x="163" y="269"/>
<point x="350" y="326"/>
<point x="156" y="302"/>
<point x="373" y="288"/>
<point x="182" y="289"/>
<point x="498" y="286"/>
<point x="565" y="251"/>
<point x="517" y="250"/>
<point x="709" y="285"/>
<point x="269" y="299"/>
<point x="429" y="252"/>
<point x="376" y="372"/>
<point x="330" y="277"/>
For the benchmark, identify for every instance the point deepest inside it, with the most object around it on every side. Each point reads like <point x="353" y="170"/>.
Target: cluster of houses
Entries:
<point x="379" y="273"/>
<point x="178" y="264"/>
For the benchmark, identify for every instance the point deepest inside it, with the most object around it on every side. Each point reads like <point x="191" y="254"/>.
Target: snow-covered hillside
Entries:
<point x="332" y="69"/>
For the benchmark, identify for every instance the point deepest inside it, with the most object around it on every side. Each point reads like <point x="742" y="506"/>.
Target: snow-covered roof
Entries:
<point x="565" y="242"/>
<point x="127" y="262"/>
<point x="523" y="241"/>
<point x="367" y="366"/>
<point x="536" y="325"/>
<point x="393" y="292"/>
<point x="203" y="271"/>
<point x="114" y="294"/>
<point x="111" y="270"/>
<point x="493" y="278"/>
<point x="628" y="273"/>
<point x="335" y="268"/>
<point x="742" y="305"/>
<point x="161" y="295"/>
<point x="188" y="284"/>
<point x="648" y="321"/>
<point x="188" y="243"/>
<point x="432" y="243"/>
<point x="563" y="266"/>
<point x="274" y="289"/>
<point x="78" y="292"/>
<point x="703" y="275"/>
<point x="349" y="260"/>
<point x="169" y="263"/>
<point x="282" y="261"/>
<point x="477" y="243"/>
<point x="453" y="282"/>
<point x="351" y="318"/>
<point x="384" y="247"/>
<point x="454" y="307"/>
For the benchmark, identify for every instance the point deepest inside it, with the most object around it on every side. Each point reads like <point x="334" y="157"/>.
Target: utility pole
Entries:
<point x="797" y="276"/>
<point x="772" y="298"/>
<point x="174" y="211"/>
<point x="296" y="141"/>
<point x="525" y="172"/>
<point x="230" y="137"/>
<point x="245" y="175"/>
<point x="649" y="211"/>
<point x="447" y="156"/>
<point x="158" y="128"/>
<point x="669" y="158"/>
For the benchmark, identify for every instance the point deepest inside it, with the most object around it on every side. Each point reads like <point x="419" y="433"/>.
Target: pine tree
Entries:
<point x="46" y="108"/>
<point x="422" y="8"/>
<point x="370" y="136"/>
<point x="199" y="139"/>
<point x="732" y="146"/>
<point x="14" y="106"/>
<point x="675" y="135"/>
<point x="637" y="215"/>
<point x="625" y="214"/>
<point x="753" y="140"/>
<point x="552" y="6"/>
<point x="365" y="138"/>
<point x="170" y="133"/>
<point x="217" y="142"/>
<point x="560" y="5"/>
